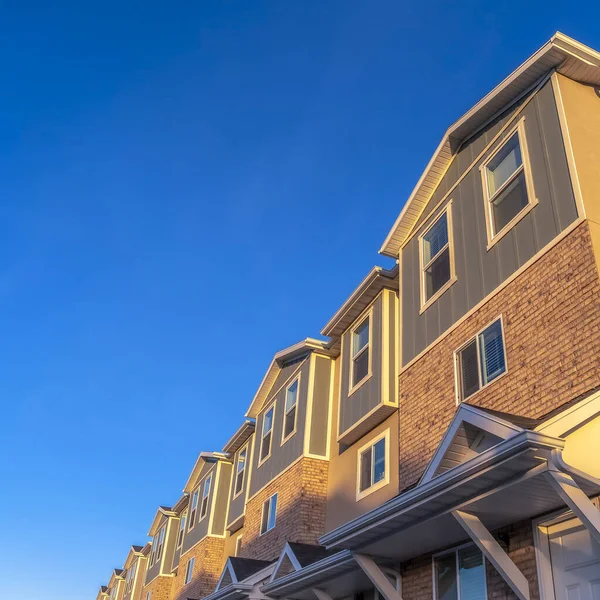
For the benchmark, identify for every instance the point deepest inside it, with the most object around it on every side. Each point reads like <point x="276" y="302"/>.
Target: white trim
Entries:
<point x="368" y="347"/>
<point x="384" y="435"/>
<point x="261" y="459"/>
<point x="182" y="516"/>
<point x="285" y="438"/>
<point x="572" y="418"/>
<point x="243" y="448"/>
<point x="206" y="497"/>
<point x="189" y="571"/>
<point x="267" y="502"/>
<point x="289" y="553"/>
<point x="377" y="577"/>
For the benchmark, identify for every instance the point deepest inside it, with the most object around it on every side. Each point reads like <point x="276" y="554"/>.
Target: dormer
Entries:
<point x="180" y="508"/>
<point x="116" y="585"/>
<point x="163" y="536"/>
<point x="102" y="593"/>
<point x="366" y="328"/>
<point x="134" y="573"/>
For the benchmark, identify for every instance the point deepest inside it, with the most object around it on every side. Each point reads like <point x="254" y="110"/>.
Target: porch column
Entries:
<point x="492" y="550"/>
<point x="377" y="576"/>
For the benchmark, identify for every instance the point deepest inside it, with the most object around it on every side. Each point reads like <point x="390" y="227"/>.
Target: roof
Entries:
<point x="181" y="503"/>
<point x="568" y="56"/>
<point x="203" y="457"/>
<point x="306" y="554"/>
<point x="297" y="350"/>
<point x="238" y="439"/>
<point x="377" y="279"/>
<point x="163" y="511"/>
<point x="245" y="567"/>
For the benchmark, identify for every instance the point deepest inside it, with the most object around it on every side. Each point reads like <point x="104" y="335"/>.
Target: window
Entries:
<point x="205" y="494"/>
<point x="238" y="545"/>
<point x="506" y="180"/>
<point x="373" y="465"/>
<point x="265" y="440"/>
<point x="360" y="352"/>
<point x="149" y="595"/>
<point x="130" y="578"/>
<point x="189" y="569"/>
<point x="159" y="543"/>
<point x="480" y="360"/>
<point x="240" y="471"/>
<point x="269" y="510"/>
<point x="289" y="417"/>
<point x="436" y="258"/>
<point x="181" y="532"/>
<point x="460" y="575"/>
<point x="193" y="509"/>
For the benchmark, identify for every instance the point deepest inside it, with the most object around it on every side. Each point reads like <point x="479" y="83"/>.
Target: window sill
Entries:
<point x="360" y="383"/>
<point x="289" y="437"/>
<point x="263" y="461"/>
<point x="370" y="490"/>
<point x="438" y="294"/>
<point x="511" y="224"/>
<point x="485" y="387"/>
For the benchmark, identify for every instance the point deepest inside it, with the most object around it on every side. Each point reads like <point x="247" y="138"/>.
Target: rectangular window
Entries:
<point x="238" y="545"/>
<point x="373" y="465"/>
<point x="240" y="471"/>
<point x="506" y="181"/>
<point x="205" y="494"/>
<point x="193" y="509"/>
<point x="149" y="595"/>
<point x="160" y="543"/>
<point x="480" y="360"/>
<point x="436" y="258"/>
<point x="181" y="532"/>
<point x="267" y="430"/>
<point x="289" y="417"/>
<point x="189" y="570"/>
<point x="460" y="575"/>
<point x="269" y="511"/>
<point x="130" y="578"/>
<point x="361" y="337"/>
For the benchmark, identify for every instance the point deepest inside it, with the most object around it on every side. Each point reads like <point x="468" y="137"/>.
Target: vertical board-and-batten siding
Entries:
<point x="319" y="422"/>
<point x="479" y="271"/>
<point x="219" y="506"/>
<point x="238" y="504"/>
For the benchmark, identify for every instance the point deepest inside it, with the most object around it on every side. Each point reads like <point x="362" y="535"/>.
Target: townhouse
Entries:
<point x="444" y="440"/>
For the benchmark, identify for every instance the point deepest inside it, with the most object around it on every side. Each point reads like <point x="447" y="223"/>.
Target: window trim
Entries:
<point x="494" y="237"/>
<point x="238" y="545"/>
<point x="130" y="577"/>
<point x="261" y="460"/>
<point x="427" y="302"/>
<point x="352" y="387"/>
<point x="284" y="438"/>
<point x="207" y="497"/>
<point x="455" y="550"/>
<point x="192" y="522"/>
<point x="239" y="452"/>
<point x="267" y="502"/>
<point x="189" y="572"/>
<point x="386" y="479"/>
<point x="181" y="529"/>
<point x="456" y="358"/>
<point x="155" y="555"/>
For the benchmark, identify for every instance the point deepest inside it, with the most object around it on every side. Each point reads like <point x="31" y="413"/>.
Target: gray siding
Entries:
<point x="320" y="408"/>
<point x="238" y="505"/>
<point x="155" y="570"/>
<point x="281" y="456"/>
<point x="176" y="551"/>
<point x="221" y="498"/>
<point x="368" y="395"/>
<point x="478" y="270"/>
<point x="200" y="529"/>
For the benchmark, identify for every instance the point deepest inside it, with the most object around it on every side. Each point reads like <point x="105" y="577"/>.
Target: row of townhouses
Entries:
<point x="444" y="442"/>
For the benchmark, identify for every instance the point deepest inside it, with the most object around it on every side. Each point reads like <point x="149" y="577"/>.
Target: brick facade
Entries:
<point x="159" y="588"/>
<point x="551" y="315"/>
<point x="301" y="498"/>
<point x="208" y="564"/>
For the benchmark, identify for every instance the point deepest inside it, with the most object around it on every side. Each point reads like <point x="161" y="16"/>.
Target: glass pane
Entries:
<point x="265" y="446"/>
<point x="445" y="577"/>
<point x="195" y="499"/>
<point x="510" y="202"/>
<point x="504" y="164"/>
<point x="272" y="511"/>
<point x="379" y="461"/>
<point x="360" y="337"/>
<point x="492" y="352"/>
<point x="265" y="516"/>
<point x="469" y="371"/>
<point x="360" y="367"/>
<point x="290" y="422"/>
<point x="437" y="274"/>
<point x="435" y="239"/>
<point x="206" y="488"/>
<point x="471" y="571"/>
<point x="365" y="469"/>
<point x="239" y="481"/>
<point x="291" y="395"/>
<point x="241" y="463"/>
<point x="268" y="421"/>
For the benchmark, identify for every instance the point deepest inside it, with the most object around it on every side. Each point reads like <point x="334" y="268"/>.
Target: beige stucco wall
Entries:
<point x="582" y="448"/>
<point x="230" y="542"/>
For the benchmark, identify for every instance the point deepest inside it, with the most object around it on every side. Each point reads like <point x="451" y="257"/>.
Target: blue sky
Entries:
<point x="186" y="188"/>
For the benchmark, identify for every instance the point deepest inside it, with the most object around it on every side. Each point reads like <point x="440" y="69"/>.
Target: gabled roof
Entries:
<point x="238" y="439"/>
<point x="237" y="569"/>
<point x="472" y="431"/>
<point x="203" y="458"/>
<point x="304" y="347"/>
<point x="115" y="576"/>
<point x="377" y="279"/>
<point x="181" y="504"/>
<point x="102" y="592"/>
<point x="566" y="55"/>
<point x="295" y="556"/>
<point x="162" y="512"/>
<point x="134" y="552"/>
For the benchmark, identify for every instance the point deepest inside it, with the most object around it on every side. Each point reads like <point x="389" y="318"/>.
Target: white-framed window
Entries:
<point x="480" y="360"/>
<point x="240" y="471"/>
<point x="129" y="579"/>
<point x="360" y="357"/>
<point x="459" y="574"/>
<point x="238" y="545"/>
<point x="193" y="508"/>
<point x="189" y="571"/>
<point x="507" y="184"/>
<point x="181" y="531"/>
<point x="373" y="465"/>
<point x="436" y="256"/>
<point x="149" y="595"/>
<point x="290" y="411"/>
<point x="160" y="541"/>
<point x="266" y="436"/>
<point x="205" y="495"/>
<point x="269" y="514"/>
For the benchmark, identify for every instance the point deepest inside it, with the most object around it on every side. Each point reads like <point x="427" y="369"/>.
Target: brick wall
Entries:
<point x="551" y="318"/>
<point x="160" y="588"/>
<point x="208" y="564"/>
<point x="301" y="498"/>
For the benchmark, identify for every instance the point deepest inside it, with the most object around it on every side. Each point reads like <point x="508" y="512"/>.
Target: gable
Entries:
<point x="285" y="567"/>
<point x="227" y="577"/>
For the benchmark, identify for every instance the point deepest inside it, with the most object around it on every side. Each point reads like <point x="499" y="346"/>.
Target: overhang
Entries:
<point x="238" y="439"/>
<point x="568" y="56"/>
